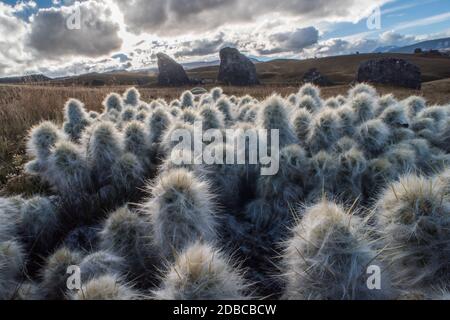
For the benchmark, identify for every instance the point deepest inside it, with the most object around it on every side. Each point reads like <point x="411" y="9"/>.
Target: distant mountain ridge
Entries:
<point x="26" y="79"/>
<point x="437" y="44"/>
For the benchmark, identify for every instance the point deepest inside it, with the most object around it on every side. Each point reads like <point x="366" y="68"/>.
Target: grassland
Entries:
<point x="23" y="106"/>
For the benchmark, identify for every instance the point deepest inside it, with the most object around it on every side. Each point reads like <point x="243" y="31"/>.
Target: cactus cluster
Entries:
<point x="362" y="184"/>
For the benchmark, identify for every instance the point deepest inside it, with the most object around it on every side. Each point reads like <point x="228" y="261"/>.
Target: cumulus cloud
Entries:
<point x="12" y="30"/>
<point x="51" y="37"/>
<point x="202" y="47"/>
<point x="188" y="16"/>
<point x="294" y="41"/>
<point x="394" y="38"/>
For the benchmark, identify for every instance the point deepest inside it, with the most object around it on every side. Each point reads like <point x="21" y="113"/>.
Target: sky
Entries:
<point x="68" y="37"/>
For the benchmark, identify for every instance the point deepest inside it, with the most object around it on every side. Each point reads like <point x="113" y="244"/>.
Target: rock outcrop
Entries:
<point x="390" y="71"/>
<point x="171" y="73"/>
<point x="236" y="69"/>
<point x="315" y="77"/>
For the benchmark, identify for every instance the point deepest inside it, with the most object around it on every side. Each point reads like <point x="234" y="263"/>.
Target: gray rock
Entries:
<point x="198" y="91"/>
<point x="391" y="71"/>
<point x="315" y="77"/>
<point x="171" y="73"/>
<point x="236" y="69"/>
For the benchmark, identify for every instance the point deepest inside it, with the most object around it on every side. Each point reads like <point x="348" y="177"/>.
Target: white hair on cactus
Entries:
<point x="131" y="97"/>
<point x="273" y="116"/>
<point x="363" y="106"/>
<point x="113" y="102"/>
<point x="202" y="273"/>
<point x="216" y="93"/>
<point x="413" y="220"/>
<point x="108" y="287"/>
<point x="362" y="88"/>
<point x="187" y="100"/>
<point x="328" y="255"/>
<point x="12" y="269"/>
<point x="181" y="211"/>
<point x="76" y="119"/>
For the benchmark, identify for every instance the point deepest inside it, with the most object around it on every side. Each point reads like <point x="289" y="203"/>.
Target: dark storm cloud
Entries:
<point x="98" y="33"/>
<point x="187" y="16"/>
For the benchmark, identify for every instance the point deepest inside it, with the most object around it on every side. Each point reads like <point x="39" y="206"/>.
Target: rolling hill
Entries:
<point x="339" y="69"/>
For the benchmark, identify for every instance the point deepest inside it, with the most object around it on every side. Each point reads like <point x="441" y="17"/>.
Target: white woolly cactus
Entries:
<point x="352" y="165"/>
<point x="346" y="148"/>
<point x="211" y="117"/>
<point x="128" y="173"/>
<point x="437" y="113"/>
<point x="181" y="211"/>
<point x="347" y="119"/>
<point x="39" y="223"/>
<point x="373" y="136"/>
<point x="328" y="255"/>
<point x="175" y="111"/>
<point x="278" y="193"/>
<point x="224" y="106"/>
<point x="68" y="171"/>
<point x="101" y="263"/>
<point x="385" y="102"/>
<point x="107" y="287"/>
<point x="113" y="102"/>
<point x="93" y="115"/>
<point x="363" y="106"/>
<point x="12" y="267"/>
<point x="310" y="90"/>
<point x="308" y="103"/>
<point x="187" y="100"/>
<point x="167" y="143"/>
<point x="42" y="139"/>
<point x="301" y="122"/>
<point x="414" y="105"/>
<point x="129" y="236"/>
<point x="9" y="217"/>
<point x="324" y="169"/>
<point x="224" y="177"/>
<point x="128" y="114"/>
<point x="202" y="273"/>
<point x="292" y="99"/>
<point x="189" y="116"/>
<point x="273" y="115"/>
<point x="131" y="97"/>
<point x="216" y="93"/>
<point x="332" y="103"/>
<point x="324" y="131"/>
<point x="136" y="141"/>
<point x="54" y="274"/>
<point x="76" y="119"/>
<point x="413" y="220"/>
<point x="245" y="100"/>
<point x="104" y="146"/>
<point x="362" y="88"/>
<point x="158" y="122"/>
<point x="402" y="157"/>
<point x="395" y="117"/>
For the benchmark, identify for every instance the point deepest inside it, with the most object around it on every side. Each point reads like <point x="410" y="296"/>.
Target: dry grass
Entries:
<point x="23" y="106"/>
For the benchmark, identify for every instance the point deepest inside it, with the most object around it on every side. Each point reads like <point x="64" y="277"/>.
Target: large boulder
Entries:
<point x="171" y="73"/>
<point x="315" y="77"/>
<point x="391" y="71"/>
<point x="236" y="69"/>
